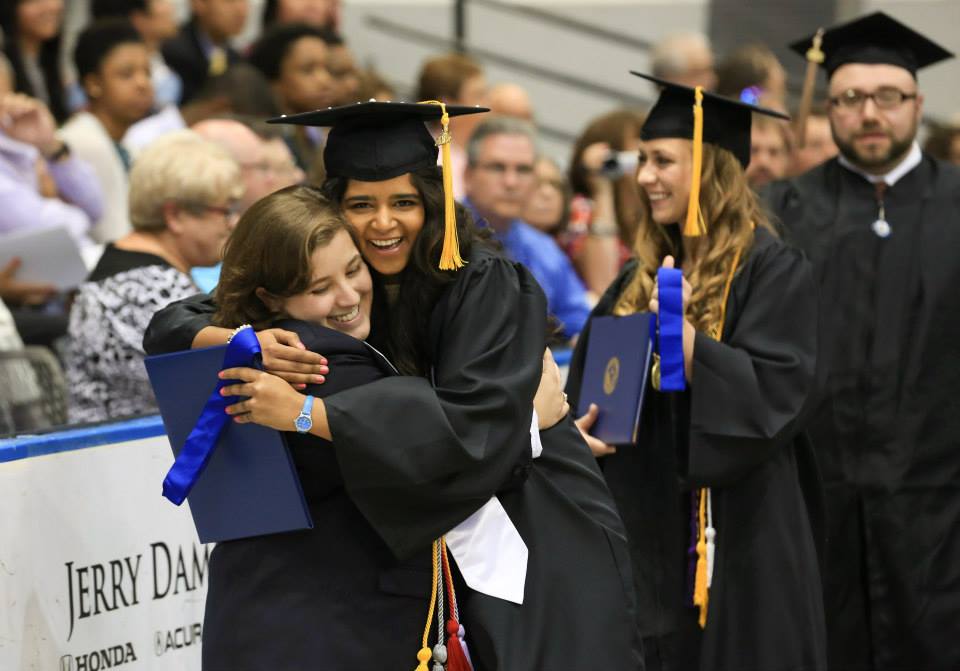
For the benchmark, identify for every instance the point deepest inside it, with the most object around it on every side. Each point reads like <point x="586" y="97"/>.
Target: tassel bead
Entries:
<point x="440" y="653"/>
<point x="423" y="656"/>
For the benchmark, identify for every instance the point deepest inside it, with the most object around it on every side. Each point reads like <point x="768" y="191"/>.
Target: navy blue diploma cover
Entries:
<point x="615" y="375"/>
<point x="250" y="486"/>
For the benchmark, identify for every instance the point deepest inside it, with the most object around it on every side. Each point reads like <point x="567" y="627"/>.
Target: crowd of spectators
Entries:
<point x="147" y="156"/>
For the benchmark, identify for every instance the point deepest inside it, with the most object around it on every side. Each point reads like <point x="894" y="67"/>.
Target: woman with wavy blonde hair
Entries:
<point x="719" y="493"/>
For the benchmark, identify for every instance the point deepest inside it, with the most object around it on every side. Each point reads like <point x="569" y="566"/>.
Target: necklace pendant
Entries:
<point x="881" y="228"/>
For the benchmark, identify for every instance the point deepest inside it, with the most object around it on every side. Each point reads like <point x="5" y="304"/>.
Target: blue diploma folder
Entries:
<point x="615" y="375"/>
<point x="250" y="485"/>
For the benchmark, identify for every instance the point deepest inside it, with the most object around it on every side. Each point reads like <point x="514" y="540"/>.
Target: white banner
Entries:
<point x="98" y="570"/>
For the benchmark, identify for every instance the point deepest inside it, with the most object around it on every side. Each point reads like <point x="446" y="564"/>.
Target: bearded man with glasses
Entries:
<point x="881" y="223"/>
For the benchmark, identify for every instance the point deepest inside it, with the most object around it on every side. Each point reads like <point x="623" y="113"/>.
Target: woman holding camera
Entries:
<point x="720" y="493"/>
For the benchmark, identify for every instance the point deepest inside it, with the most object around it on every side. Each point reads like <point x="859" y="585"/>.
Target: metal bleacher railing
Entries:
<point x="460" y="42"/>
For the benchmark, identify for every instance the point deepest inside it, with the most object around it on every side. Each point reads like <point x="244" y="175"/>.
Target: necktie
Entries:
<point x="218" y="61"/>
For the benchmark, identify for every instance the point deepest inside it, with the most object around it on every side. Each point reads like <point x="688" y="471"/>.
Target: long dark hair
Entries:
<point x="402" y="329"/>
<point x="49" y="61"/>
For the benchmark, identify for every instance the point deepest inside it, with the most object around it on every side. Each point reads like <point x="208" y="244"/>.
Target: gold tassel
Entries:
<point x="450" y="258"/>
<point x="694" y="226"/>
<point x="815" y="57"/>
<point x="701" y="594"/>
<point x="425" y="653"/>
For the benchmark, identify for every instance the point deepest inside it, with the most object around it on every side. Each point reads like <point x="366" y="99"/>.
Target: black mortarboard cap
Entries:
<point x="726" y="122"/>
<point x="875" y="39"/>
<point x="375" y="141"/>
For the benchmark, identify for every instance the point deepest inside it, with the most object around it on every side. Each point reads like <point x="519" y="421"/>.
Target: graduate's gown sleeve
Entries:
<point x="418" y="459"/>
<point x="749" y="390"/>
<point x="173" y="328"/>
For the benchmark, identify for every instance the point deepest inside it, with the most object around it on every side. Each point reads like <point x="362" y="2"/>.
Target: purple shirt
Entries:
<point x="21" y="204"/>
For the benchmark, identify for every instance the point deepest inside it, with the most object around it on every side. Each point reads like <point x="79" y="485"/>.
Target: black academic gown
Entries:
<point x="737" y="431"/>
<point x="418" y="457"/>
<point x="332" y="597"/>
<point x="886" y="424"/>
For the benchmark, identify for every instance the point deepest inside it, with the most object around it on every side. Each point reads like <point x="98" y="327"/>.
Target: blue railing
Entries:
<point x="22" y="447"/>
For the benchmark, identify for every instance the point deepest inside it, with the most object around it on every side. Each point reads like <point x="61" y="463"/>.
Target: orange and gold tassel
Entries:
<point x="694" y="226"/>
<point x="450" y="258"/>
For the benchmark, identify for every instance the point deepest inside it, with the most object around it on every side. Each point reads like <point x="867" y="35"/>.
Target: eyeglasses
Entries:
<point x="231" y="211"/>
<point x="501" y="169"/>
<point x="886" y="98"/>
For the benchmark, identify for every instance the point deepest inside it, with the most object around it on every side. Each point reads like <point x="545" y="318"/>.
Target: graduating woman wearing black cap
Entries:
<point x="421" y="452"/>
<point x="720" y="491"/>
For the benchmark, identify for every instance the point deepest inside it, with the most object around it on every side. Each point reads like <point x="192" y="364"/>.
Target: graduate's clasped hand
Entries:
<point x="550" y="401"/>
<point x="654" y="305"/>
<point x="270" y="401"/>
<point x="287" y="358"/>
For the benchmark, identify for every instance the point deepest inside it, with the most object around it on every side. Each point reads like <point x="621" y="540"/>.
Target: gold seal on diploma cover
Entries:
<point x="611" y="376"/>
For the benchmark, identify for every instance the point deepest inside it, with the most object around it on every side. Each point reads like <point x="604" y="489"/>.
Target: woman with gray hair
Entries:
<point x="183" y="205"/>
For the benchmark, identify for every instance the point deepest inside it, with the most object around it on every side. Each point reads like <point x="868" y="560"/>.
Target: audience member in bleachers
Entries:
<point x="31" y="40"/>
<point x="293" y="58"/>
<point x="317" y="13"/>
<point x="241" y="90"/>
<point x="248" y="150"/>
<point x="202" y="47"/>
<point x="771" y="142"/>
<point x="509" y="99"/>
<point x="277" y="154"/>
<point x="114" y="69"/>
<point x="156" y="23"/>
<point x="685" y="58"/>
<point x="184" y="193"/>
<point x="944" y="142"/>
<point x="41" y="182"/>
<point x="500" y="181"/>
<point x="20" y="410"/>
<point x="605" y="210"/>
<point x="819" y="146"/>
<point x="455" y="79"/>
<point x="343" y="69"/>
<point x="548" y="209"/>
<point x="752" y="73"/>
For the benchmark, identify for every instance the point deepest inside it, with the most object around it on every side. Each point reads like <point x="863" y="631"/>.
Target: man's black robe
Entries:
<point x="886" y="423"/>
<point x="416" y="458"/>
<point x="736" y="430"/>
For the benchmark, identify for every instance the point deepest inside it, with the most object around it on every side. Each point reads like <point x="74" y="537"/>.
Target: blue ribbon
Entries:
<point x="242" y="352"/>
<point x="670" y="341"/>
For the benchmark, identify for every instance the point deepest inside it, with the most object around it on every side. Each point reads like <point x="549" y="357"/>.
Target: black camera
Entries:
<point x="619" y="163"/>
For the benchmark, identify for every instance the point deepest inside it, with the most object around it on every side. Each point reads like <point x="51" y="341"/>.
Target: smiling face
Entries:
<point x="340" y="292"/>
<point x="663" y="172"/>
<point x="387" y="217"/>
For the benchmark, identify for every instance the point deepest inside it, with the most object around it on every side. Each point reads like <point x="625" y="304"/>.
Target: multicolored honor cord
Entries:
<point x="243" y="351"/>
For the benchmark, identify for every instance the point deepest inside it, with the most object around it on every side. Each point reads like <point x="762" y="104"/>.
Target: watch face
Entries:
<point x="303" y="423"/>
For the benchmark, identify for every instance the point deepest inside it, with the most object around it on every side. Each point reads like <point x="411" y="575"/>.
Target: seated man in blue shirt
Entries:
<point x="499" y="180"/>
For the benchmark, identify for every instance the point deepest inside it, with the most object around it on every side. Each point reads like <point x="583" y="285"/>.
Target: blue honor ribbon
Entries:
<point x="670" y="340"/>
<point x="242" y="352"/>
